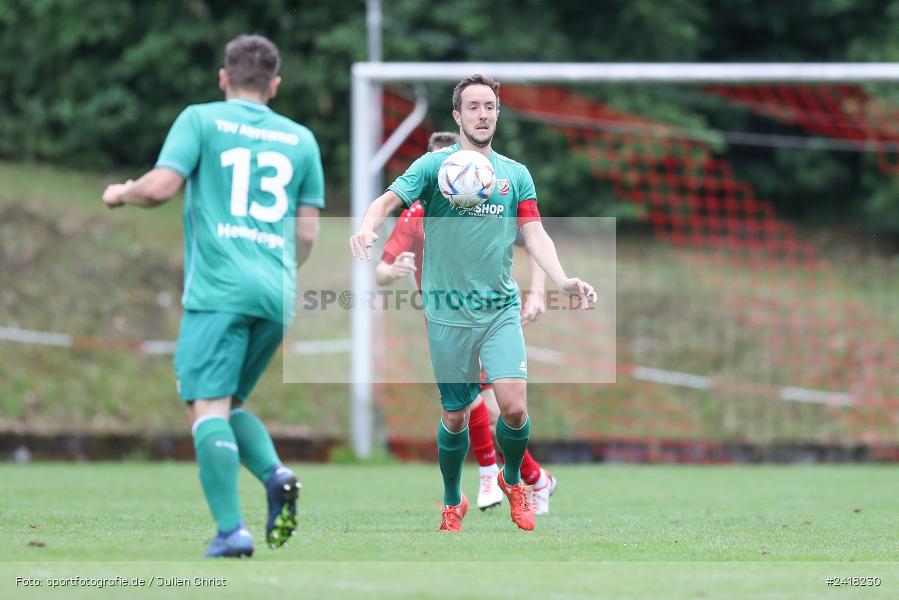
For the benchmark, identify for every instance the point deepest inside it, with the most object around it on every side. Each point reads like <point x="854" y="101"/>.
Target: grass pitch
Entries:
<point x="370" y="532"/>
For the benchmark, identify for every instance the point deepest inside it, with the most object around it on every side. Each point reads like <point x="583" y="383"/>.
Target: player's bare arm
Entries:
<point x="542" y="248"/>
<point x="152" y="189"/>
<point x="307" y="231"/>
<point x="534" y="303"/>
<point x="362" y="241"/>
<point x="403" y="266"/>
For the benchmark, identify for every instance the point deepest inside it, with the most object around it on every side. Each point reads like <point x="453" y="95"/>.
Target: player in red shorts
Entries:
<point x="401" y="257"/>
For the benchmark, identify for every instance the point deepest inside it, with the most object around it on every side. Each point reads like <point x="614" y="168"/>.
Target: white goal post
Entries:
<point x="366" y="120"/>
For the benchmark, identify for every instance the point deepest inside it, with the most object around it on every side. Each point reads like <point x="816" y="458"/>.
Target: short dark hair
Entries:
<point x="476" y="79"/>
<point x="442" y="139"/>
<point x="251" y="61"/>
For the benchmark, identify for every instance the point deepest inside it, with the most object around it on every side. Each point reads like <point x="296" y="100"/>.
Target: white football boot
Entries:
<point x="489" y="494"/>
<point x="542" y="493"/>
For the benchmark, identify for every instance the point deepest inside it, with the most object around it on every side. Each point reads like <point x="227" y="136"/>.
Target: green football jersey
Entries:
<point x="467" y="270"/>
<point x="247" y="170"/>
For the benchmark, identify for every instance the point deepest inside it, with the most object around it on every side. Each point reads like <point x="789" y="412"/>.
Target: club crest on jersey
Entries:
<point x="503" y="186"/>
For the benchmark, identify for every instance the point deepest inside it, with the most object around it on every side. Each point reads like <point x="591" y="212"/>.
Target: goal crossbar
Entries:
<point x="368" y="76"/>
<point x="621" y="72"/>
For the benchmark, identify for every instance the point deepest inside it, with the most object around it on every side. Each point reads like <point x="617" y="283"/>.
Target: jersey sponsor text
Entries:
<point x="256" y="133"/>
<point x="271" y="240"/>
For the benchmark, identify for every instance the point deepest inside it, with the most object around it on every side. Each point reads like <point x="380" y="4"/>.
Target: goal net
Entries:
<point x="750" y="310"/>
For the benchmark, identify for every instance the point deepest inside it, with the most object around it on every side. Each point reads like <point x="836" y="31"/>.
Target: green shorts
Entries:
<point x="223" y="354"/>
<point x="457" y="354"/>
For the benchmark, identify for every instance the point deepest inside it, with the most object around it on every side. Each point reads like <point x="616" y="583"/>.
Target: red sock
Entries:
<point x="530" y="469"/>
<point x="481" y="440"/>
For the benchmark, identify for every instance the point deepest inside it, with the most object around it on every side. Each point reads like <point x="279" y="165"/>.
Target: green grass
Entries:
<point x="70" y="265"/>
<point x="614" y="531"/>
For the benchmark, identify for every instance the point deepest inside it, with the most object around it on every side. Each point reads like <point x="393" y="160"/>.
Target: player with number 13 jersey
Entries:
<point x="247" y="169"/>
<point x="248" y="172"/>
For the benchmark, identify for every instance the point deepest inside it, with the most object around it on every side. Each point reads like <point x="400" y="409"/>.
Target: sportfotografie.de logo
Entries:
<point x="405" y="299"/>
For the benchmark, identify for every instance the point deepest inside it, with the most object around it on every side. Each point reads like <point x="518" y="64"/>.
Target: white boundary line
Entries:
<point x="798" y="394"/>
<point x="158" y="347"/>
<point x="337" y="346"/>
<point x="544" y="355"/>
<point x="40" y="338"/>
<point x="675" y="378"/>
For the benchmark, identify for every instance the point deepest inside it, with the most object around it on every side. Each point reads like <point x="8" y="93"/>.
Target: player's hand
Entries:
<point x="361" y="244"/>
<point x="576" y="287"/>
<point x="113" y="195"/>
<point x="534" y="306"/>
<point x="403" y="265"/>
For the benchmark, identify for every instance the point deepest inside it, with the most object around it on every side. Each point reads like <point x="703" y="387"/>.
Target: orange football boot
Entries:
<point x="520" y="501"/>
<point x="453" y="515"/>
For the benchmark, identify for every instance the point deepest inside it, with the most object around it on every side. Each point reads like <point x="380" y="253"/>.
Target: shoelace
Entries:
<point x="525" y="494"/>
<point x="450" y="515"/>
<point x="487" y="482"/>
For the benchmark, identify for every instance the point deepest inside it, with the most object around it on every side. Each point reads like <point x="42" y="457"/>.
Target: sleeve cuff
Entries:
<point x="173" y="166"/>
<point x="406" y="200"/>
<point x="314" y="202"/>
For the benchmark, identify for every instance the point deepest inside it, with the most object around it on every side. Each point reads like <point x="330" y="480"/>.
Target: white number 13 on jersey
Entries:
<point x="239" y="158"/>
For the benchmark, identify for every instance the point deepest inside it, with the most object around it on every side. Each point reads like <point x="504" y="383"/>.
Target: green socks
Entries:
<point x="257" y="451"/>
<point x="217" y="457"/>
<point x="513" y="443"/>
<point x="452" y="448"/>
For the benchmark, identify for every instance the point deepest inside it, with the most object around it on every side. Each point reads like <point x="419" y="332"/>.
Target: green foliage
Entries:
<point x="98" y="84"/>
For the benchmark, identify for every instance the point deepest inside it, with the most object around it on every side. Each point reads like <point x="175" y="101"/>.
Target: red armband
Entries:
<point x="527" y="212"/>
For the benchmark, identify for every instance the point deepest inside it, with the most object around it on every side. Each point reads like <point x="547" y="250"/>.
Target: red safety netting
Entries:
<point x="824" y="364"/>
<point x="843" y="112"/>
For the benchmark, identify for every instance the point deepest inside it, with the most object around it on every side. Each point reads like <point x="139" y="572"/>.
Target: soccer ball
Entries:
<point x="466" y="178"/>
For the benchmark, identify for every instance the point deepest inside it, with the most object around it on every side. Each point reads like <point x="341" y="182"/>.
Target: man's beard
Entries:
<point x="475" y="142"/>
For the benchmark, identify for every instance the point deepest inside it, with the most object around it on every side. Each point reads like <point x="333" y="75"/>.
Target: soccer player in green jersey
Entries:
<point x="402" y="256"/>
<point x="254" y="189"/>
<point x="471" y="301"/>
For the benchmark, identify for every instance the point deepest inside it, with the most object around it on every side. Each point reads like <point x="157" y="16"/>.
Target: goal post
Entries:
<point x="365" y="122"/>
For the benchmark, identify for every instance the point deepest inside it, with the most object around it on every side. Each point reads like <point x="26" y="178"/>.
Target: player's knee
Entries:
<point x="455" y="420"/>
<point x="515" y="414"/>
<point x="212" y="407"/>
